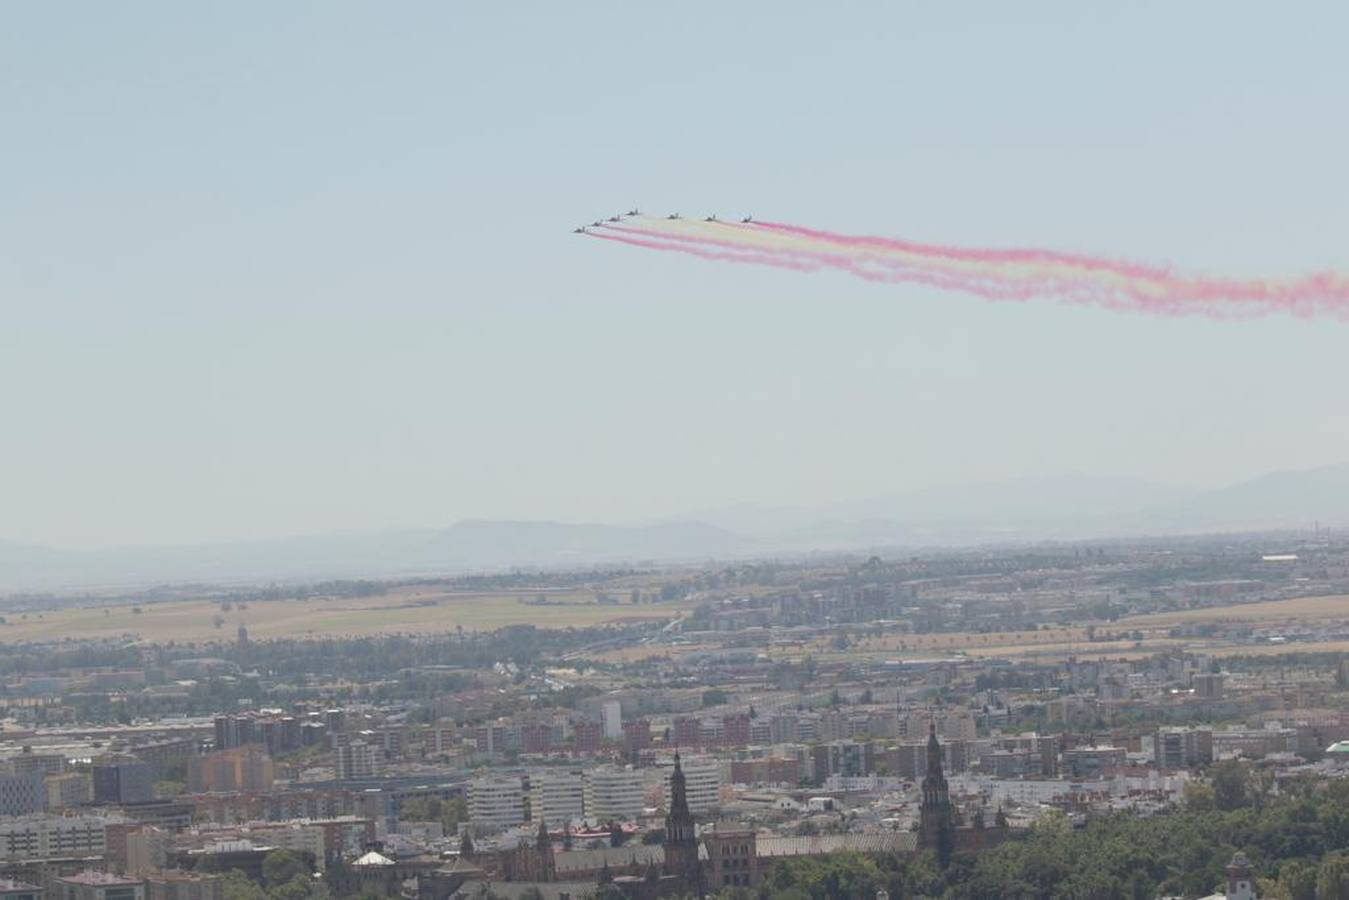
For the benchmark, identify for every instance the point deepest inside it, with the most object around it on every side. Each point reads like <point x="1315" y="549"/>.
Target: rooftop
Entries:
<point x="9" y="885"/>
<point x="98" y="879"/>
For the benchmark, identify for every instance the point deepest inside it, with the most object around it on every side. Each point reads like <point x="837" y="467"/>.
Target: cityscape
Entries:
<point x="760" y="724"/>
<point x="601" y="450"/>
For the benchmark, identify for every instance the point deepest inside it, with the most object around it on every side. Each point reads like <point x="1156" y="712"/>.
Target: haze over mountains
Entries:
<point x="1030" y="509"/>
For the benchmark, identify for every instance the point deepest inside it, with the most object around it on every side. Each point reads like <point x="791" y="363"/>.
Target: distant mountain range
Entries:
<point x="1065" y="508"/>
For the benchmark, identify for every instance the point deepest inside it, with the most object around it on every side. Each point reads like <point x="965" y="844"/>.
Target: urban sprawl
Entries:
<point x="842" y="726"/>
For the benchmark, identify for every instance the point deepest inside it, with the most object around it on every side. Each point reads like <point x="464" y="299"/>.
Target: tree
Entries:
<point x="466" y="844"/>
<point x="1199" y="797"/>
<point x="280" y="866"/>
<point x="169" y="788"/>
<point x="301" y="887"/>
<point x="1332" y="880"/>
<point x="235" y="885"/>
<point x="1297" y="881"/>
<point x="453" y="812"/>
<point x="1231" y="785"/>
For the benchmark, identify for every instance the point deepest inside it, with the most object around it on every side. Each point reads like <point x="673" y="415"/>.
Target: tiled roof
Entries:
<point x="883" y="842"/>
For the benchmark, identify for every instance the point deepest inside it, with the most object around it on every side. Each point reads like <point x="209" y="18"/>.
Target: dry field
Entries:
<point x="1299" y="609"/>
<point x="403" y="610"/>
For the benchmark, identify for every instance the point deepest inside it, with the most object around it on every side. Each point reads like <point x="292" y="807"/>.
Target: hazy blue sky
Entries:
<point x="271" y="268"/>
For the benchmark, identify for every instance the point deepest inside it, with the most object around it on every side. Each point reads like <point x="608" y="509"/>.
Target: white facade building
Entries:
<point x="46" y="837"/>
<point x="611" y="714"/>
<point x="356" y="760"/>
<point x="613" y="794"/>
<point x="702" y="779"/>
<point x="496" y="803"/>
<point x="556" y="797"/>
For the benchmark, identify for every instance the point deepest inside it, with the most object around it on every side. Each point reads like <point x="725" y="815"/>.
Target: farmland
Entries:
<point x="405" y="610"/>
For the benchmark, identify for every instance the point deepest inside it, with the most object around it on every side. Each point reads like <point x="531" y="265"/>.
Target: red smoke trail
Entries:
<point x="1004" y="275"/>
<point x="750" y="258"/>
<point x="895" y="271"/>
<point x="1318" y="294"/>
<point x="972" y="254"/>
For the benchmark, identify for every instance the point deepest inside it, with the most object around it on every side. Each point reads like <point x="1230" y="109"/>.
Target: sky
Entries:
<point x="272" y="269"/>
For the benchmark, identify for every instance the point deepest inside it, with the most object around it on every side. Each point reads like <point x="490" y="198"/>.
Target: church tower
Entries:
<point x="681" y="839"/>
<point x="936" y="820"/>
<point x="1240" y="878"/>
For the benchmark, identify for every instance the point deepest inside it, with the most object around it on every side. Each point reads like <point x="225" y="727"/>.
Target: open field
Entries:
<point x="1297" y="609"/>
<point x="1061" y="642"/>
<point x="418" y="609"/>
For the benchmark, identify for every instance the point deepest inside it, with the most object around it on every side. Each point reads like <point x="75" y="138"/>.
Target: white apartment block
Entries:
<point x="613" y="794"/>
<point x="702" y="780"/>
<point x="611" y="714"/>
<point x="556" y="797"/>
<point x="46" y="837"/>
<point x="356" y="759"/>
<point x="496" y="803"/>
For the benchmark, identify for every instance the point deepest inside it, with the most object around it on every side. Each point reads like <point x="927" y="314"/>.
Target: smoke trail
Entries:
<point x="1003" y="275"/>
<point x="971" y="254"/>
<point x="751" y="259"/>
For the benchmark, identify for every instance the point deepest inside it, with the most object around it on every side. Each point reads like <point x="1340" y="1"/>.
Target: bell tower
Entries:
<point x="681" y="838"/>
<point x="936" y="820"/>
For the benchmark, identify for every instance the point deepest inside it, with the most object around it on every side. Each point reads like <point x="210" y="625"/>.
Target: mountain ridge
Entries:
<point x="1028" y="509"/>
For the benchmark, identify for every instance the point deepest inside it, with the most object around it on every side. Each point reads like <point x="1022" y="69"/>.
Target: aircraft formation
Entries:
<point x="1008" y="274"/>
<point x="615" y="219"/>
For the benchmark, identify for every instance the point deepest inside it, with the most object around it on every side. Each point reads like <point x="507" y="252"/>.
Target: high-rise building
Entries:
<point x="356" y="759"/>
<point x="1181" y="748"/>
<point x="611" y="715"/>
<point x="536" y="738"/>
<point x="30" y="763"/>
<point x="122" y="779"/>
<point x="1208" y="685"/>
<point x="496" y="803"/>
<point x="69" y="789"/>
<point x="613" y="794"/>
<point x="637" y="734"/>
<point x="22" y="794"/>
<point x="588" y="737"/>
<point x="48" y="837"/>
<point x="556" y="796"/>
<point x="147" y="848"/>
<point x="701" y="778"/>
<point x="735" y="730"/>
<point x="687" y="731"/>
<point x="228" y="771"/>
